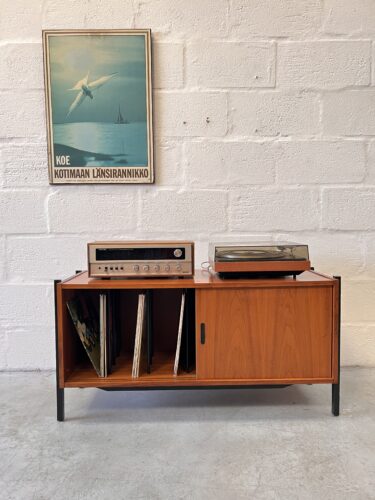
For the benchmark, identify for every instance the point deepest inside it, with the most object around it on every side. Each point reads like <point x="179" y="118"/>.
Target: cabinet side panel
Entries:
<point x="336" y="331"/>
<point x="60" y="341"/>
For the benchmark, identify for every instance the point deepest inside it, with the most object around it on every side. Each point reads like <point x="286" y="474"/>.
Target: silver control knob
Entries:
<point x="156" y="268"/>
<point x="178" y="268"/>
<point x="177" y="252"/>
<point x="146" y="268"/>
<point x="135" y="268"/>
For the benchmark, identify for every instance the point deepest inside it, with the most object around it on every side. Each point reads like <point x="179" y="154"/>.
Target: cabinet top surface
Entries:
<point x="201" y="279"/>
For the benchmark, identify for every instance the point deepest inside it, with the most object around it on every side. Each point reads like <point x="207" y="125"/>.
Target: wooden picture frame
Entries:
<point x="98" y="106"/>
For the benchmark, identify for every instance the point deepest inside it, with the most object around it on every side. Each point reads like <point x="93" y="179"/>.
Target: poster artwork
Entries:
<point x="99" y="106"/>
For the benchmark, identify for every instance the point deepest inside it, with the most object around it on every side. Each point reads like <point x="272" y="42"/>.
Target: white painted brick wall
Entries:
<point x="350" y="113"/>
<point x="165" y="74"/>
<point x="348" y="17"/>
<point x="274" y="113"/>
<point x="190" y="114"/>
<point x="370" y="174"/>
<point x="357" y="345"/>
<point x="195" y="18"/>
<point x="333" y="250"/>
<point x="358" y="302"/>
<point x="2" y="173"/>
<point x="369" y="260"/>
<point x="231" y="64"/>
<point x="349" y="209"/>
<point x="22" y="119"/>
<point x="264" y="129"/>
<point x="24" y="165"/>
<point x="61" y="16"/>
<point x="274" y="18"/>
<point x="110" y="211"/>
<point x="168" y="157"/>
<point x="42" y="258"/>
<point x="273" y="209"/>
<point x="105" y="14"/>
<point x="20" y="20"/>
<point x="22" y="211"/>
<point x="219" y="163"/>
<point x="326" y="65"/>
<point x="2" y="258"/>
<point x="320" y="162"/>
<point x="184" y="212"/>
<point x="35" y="302"/>
<point x="17" y="58"/>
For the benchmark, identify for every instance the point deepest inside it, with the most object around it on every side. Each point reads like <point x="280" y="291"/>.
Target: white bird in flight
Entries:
<point x="86" y="89"/>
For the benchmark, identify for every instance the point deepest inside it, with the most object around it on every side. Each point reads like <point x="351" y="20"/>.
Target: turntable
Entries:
<point x="259" y="259"/>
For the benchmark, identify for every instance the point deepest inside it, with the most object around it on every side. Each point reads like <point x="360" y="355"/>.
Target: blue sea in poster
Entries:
<point x="102" y="144"/>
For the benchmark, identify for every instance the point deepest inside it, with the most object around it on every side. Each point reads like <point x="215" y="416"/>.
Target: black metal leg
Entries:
<point x="336" y="387"/>
<point x="59" y="391"/>
<point x="336" y="399"/>
<point x="60" y="404"/>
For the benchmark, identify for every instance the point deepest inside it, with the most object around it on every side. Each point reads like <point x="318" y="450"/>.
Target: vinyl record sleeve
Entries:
<point x="179" y="335"/>
<point x="86" y="323"/>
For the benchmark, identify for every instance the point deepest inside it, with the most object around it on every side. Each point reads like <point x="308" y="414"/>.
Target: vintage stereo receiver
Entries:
<point x="276" y="259"/>
<point x="108" y="259"/>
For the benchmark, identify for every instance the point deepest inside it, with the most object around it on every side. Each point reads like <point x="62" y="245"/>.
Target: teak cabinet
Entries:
<point x="239" y="333"/>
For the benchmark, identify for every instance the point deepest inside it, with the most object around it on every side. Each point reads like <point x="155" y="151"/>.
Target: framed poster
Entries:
<point x="98" y="106"/>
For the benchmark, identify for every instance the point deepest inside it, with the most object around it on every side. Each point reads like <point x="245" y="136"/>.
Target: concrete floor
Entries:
<point x="224" y="444"/>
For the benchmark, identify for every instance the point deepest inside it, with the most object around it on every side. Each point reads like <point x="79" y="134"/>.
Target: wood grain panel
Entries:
<point x="336" y="306"/>
<point x="266" y="333"/>
<point x="162" y="374"/>
<point x="202" y="279"/>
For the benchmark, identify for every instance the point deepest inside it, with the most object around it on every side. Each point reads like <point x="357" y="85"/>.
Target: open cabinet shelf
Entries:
<point x="162" y="373"/>
<point x="76" y="368"/>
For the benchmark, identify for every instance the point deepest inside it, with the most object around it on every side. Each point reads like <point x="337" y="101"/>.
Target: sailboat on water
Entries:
<point x="120" y="118"/>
